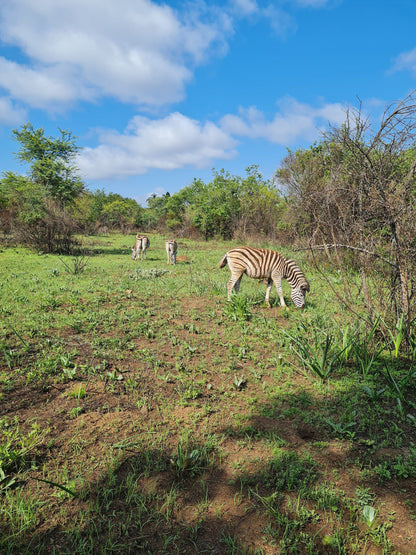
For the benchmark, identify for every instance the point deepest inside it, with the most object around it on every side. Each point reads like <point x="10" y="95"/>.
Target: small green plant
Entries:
<point x="369" y="515"/>
<point x="75" y="412"/>
<point x="364" y="496"/>
<point x="239" y="382"/>
<point x="114" y="376"/>
<point x="239" y="308"/>
<point x="342" y="429"/>
<point x="78" y="264"/>
<point x="147" y="273"/>
<point x="15" y="446"/>
<point x="397" y="335"/>
<point x="79" y="392"/>
<point x="374" y="394"/>
<point x="69" y="369"/>
<point x="187" y="461"/>
<point x="288" y="471"/>
<point x="366" y="354"/>
<point x="70" y="372"/>
<point x="399" y="386"/>
<point x="318" y="355"/>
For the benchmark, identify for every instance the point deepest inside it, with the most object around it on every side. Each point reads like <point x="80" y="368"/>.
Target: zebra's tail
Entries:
<point x="223" y="261"/>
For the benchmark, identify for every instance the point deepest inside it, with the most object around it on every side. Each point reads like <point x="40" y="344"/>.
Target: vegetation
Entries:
<point x="142" y="412"/>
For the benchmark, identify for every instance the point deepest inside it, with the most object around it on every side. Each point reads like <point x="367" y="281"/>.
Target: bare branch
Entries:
<point x="337" y="245"/>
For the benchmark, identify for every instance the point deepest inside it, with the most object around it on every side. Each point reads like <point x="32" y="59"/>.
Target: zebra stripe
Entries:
<point x="140" y="246"/>
<point x="171" y="250"/>
<point x="268" y="265"/>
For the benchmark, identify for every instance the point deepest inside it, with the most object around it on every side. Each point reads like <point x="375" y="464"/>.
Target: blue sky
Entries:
<point x="158" y="93"/>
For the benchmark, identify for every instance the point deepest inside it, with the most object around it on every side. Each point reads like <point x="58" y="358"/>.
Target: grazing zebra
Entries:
<point x="171" y="250"/>
<point x="140" y="246"/>
<point x="268" y="265"/>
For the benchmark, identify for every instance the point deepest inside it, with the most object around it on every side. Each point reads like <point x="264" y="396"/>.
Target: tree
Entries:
<point x="261" y="206"/>
<point x="355" y="193"/>
<point x="36" y="204"/>
<point x="51" y="161"/>
<point x="121" y="212"/>
<point x="23" y="198"/>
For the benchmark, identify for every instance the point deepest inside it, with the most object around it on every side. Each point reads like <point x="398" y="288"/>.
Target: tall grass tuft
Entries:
<point x="239" y="308"/>
<point x="319" y="354"/>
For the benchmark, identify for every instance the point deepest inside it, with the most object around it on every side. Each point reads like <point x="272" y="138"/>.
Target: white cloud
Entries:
<point x="133" y="50"/>
<point x="406" y="61"/>
<point x="136" y="51"/>
<point x="169" y="143"/>
<point x="9" y="114"/>
<point x="41" y="88"/>
<point x="244" y="7"/>
<point x="280" y="21"/>
<point x="293" y="122"/>
<point x="177" y="141"/>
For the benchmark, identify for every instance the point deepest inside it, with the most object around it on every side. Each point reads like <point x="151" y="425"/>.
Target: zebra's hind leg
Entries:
<point x="269" y="287"/>
<point x="233" y="284"/>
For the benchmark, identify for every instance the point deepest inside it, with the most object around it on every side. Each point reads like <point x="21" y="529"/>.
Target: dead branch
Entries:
<point x="350" y="247"/>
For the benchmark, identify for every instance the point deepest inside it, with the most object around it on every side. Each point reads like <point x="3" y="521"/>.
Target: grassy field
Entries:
<point x="141" y="412"/>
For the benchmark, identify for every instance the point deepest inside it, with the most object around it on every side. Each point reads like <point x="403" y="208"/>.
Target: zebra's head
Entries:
<point x="133" y="253"/>
<point x="298" y="294"/>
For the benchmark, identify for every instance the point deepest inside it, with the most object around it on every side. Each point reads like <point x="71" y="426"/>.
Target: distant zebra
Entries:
<point x="140" y="246"/>
<point x="171" y="250"/>
<point x="268" y="265"/>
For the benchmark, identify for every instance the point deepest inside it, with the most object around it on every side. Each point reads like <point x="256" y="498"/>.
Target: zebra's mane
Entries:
<point x="292" y="267"/>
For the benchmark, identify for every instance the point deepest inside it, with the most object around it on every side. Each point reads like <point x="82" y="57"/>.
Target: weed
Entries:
<point x="320" y="355"/>
<point x="191" y="460"/>
<point x="78" y="264"/>
<point x="342" y="429"/>
<point x="366" y="354"/>
<point x="399" y="386"/>
<point x="239" y="382"/>
<point x="147" y="273"/>
<point x="239" y="308"/>
<point x="287" y="471"/>
<point x="78" y="392"/>
<point x="398" y="334"/>
<point x="15" y="446"/>
<point x="75" y="412"/>
<point x="364" y="496"/>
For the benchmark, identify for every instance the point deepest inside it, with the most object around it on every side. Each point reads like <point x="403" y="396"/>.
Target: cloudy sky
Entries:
<point x="158" y="93"/>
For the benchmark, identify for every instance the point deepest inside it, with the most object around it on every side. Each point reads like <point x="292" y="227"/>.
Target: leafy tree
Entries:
<point x="36" y="204"/>
<point x="121" y="212"/>
<point x="225" y="207"/>
<point x="51" y="161"/>
<point x="154" y="215"/>
<point x="24" y="199"/>
<point x="261" y="206"/>
<point x="213" y="207"/>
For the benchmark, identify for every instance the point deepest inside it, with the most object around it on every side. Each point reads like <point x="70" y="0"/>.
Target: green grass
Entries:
<point x="143" y="412"/>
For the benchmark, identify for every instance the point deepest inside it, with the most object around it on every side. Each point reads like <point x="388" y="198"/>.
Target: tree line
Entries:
<point x="348" y="199"/>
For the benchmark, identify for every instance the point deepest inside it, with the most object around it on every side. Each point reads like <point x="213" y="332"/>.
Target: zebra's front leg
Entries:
<point x="278" y="283"/>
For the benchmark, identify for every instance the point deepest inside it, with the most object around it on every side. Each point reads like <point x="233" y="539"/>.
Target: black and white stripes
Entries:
<point x="268" y="265"/>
